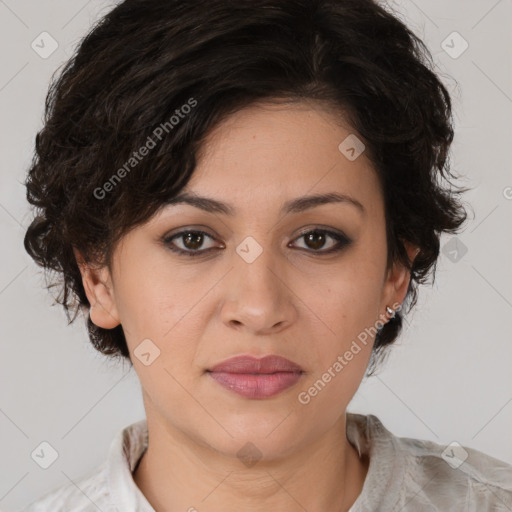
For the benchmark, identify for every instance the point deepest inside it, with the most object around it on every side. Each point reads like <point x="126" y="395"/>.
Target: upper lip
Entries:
<point x="251" y="364"/>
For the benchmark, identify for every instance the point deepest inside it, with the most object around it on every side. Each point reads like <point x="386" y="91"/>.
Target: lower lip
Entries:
<point x="261" y="385"/>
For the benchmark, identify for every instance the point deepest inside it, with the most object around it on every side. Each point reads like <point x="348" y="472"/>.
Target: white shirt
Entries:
<point x="406" y="475"/>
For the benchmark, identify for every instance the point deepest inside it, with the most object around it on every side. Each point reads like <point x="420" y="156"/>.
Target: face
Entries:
<point x="304" y="283"/>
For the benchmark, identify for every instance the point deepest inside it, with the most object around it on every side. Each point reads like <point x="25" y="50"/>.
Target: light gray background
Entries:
<point x="449" y="377"/>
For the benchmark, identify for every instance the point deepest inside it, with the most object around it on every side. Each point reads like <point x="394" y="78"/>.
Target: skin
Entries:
<point x="291" y="301"/>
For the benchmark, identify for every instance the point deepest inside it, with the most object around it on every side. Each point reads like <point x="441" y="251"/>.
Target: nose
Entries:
<point x="257" y="297"/>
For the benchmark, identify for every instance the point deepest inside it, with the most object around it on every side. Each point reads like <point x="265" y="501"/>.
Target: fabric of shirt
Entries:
<point x="404" y="475"/>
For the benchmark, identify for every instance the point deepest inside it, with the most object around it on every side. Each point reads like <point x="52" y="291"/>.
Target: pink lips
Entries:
<point x="256" y="378"/>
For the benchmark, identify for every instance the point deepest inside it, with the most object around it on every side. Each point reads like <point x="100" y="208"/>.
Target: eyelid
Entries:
<point x="320" y="227"/>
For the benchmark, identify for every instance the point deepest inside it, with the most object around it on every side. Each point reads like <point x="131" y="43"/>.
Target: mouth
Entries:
<point x="256" y="377"/>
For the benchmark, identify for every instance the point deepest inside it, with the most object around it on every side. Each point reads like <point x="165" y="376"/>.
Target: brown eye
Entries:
<point x="316" y="239"/>
<point x="191" y="242"/>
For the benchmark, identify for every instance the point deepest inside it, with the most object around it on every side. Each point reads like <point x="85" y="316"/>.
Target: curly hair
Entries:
<point x="145" y="60"/>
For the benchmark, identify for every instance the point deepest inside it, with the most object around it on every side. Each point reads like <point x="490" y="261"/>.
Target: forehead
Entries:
<point x="269" y="153"/>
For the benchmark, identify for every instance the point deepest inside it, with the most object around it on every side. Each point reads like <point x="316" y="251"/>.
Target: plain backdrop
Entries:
<point x="449" y="376"/>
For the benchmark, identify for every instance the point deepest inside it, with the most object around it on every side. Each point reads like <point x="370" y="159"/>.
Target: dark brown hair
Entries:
<point x="133" y="74"/>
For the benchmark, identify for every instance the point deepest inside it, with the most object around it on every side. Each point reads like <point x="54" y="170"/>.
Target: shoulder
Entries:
<point x="423" y="475"/>
<point x="86" y="494"/>
<point x="110" y="486"/>
<point x="454" y="473"/>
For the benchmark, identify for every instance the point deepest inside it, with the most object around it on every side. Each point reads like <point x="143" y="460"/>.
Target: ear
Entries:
<point x="397" y="282"/>
<point x="100" y="293"/>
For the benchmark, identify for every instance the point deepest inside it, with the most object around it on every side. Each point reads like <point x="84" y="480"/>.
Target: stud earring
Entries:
<point x="390" y="312"/>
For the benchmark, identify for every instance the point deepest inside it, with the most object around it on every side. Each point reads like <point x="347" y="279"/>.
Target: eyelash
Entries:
<point x="343" y="241"/>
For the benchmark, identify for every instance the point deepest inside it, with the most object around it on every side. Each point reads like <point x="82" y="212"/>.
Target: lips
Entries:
<point x="253" y="365"/>
<point x="256" y="378"/>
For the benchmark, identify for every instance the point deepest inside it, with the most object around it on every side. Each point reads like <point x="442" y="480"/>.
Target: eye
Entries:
<point x="315" y="239"/>
<point x="190" y="240"/>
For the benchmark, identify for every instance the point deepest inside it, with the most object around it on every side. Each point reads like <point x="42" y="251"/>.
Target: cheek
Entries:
<point x="156" y="306"/>
<point x="341" y="354"/>
<point x="327" y="392"/>
<point x="343" y="311"/>
<point x="151" y="296"/>
<point x="346" y="301"/>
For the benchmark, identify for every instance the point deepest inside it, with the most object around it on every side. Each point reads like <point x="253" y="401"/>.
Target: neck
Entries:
<point x="177" y="473"/>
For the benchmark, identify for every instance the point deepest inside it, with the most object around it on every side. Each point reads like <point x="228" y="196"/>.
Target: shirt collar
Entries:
<point x="385" y="474"/>
<point x="126" y="449"/>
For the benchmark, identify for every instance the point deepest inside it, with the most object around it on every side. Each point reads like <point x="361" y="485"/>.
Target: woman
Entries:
<point x="243" y="196"/>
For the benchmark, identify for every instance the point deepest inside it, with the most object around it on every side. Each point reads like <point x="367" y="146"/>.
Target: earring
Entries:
<point x="390" y="312"/>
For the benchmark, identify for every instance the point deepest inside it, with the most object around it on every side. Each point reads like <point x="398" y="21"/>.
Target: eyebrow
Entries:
<point x="297" y="205"/>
